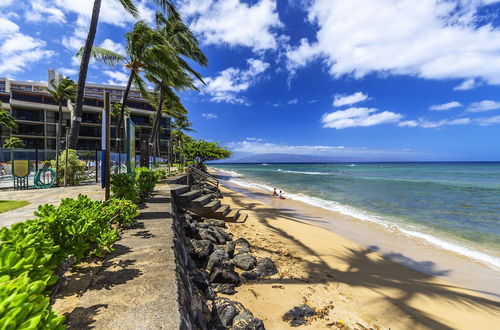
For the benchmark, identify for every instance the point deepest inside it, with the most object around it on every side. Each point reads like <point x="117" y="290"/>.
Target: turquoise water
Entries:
<point x="453" y="205"/>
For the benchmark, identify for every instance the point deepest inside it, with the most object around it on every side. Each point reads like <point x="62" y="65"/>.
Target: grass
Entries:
<point x="11" y="205"/>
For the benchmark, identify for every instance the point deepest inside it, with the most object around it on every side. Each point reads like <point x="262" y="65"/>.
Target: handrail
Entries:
<point x="202" y="176"/>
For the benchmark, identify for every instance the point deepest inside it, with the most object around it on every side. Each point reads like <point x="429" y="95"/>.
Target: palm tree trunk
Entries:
<point x="58" y="140"/>
<point x="82" y="76"/>
<point x="122" y="112"/>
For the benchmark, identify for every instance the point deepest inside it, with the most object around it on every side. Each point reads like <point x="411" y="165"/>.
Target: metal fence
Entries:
<point x="39" y="157"/>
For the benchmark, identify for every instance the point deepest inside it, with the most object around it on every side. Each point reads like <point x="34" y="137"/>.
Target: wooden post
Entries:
<point x="108" y="144"/>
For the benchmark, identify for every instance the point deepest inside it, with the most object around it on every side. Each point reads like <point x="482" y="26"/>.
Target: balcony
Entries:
<point x="33" y="97"/>
<point x="30" y="130"/>
<point x="31" y="115"/>
<point x="5" y="97"/>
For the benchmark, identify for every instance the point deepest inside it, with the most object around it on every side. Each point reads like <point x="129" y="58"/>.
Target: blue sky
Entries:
<point x="398" y="79"/>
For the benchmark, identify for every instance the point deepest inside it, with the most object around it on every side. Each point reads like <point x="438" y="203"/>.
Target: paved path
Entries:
<point x="43" y="196"/>
<point x="136" y="286"/>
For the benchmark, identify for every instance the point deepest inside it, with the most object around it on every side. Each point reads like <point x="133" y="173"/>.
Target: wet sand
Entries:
<point x="342" y="280"/>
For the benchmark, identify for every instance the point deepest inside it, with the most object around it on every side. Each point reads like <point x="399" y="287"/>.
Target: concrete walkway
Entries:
<point x="38" y="197"/>
<point x="136" y="286"/>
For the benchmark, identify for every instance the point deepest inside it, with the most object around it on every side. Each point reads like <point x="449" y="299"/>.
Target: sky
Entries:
<point x="379" y="79"/>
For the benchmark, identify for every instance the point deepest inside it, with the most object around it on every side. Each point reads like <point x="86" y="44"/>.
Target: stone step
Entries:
<point x="213" y="205"/>
<point x="242" y="217"/>
<point x="233" y="215"/>
<point x="202" y="200"/>
<point x="223" y="210"/>
<point x="178" y="189"/>
<point x="189" y="196"/>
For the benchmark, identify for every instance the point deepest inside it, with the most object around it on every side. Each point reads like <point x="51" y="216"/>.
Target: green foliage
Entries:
<point x="160" y="174"/>
<point x="30" y="252"/>
<point x="13" y="143"/>
<point x="123" y="186"/>
<point x="76" y="168"/>
<point x="145" y="181"/>
<point x="64" y="89"/>
<point x="201" y="151"/>
<point x="122" y="211"/>
<point x="7" y="120"/>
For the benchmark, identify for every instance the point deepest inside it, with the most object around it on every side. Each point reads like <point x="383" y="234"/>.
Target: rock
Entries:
<point x="230" y="248"/>
<point x="224" y="273"/>
<point x="190" y="230"/>
<point x="265" y="267"/>
<point x="207" y="234"/>
<point x="200" y="251"/>
<point x="218" y="256"/>
<point x="244" y="261"/>
<point x="215" y="222"/>
<point x="200" y="279"/>
<point x="297" y="315"/>
<point x="246" y="321"/>
<point x="242" y="245"/>
<point x="221" y="238"/>
<point x="202" y="225"/>
<point x="224" y="312"/>
<point x="225" y="288"/>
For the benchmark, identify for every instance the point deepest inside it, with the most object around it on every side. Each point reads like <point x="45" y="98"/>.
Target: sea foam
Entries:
<point x="492" y="261"/>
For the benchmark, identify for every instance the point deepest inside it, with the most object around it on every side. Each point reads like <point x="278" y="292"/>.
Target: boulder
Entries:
<point x="244" y="261"/>
<point x="199" y="278"/>
<point x="218" y="256"/>
<point x="208" y="234"/>
<point x="230" y="248"/>
<point x="246" y="321"/>
<point x="297" y="315"/>
<point x="242" y="245"/>
<point x="225" y="288"/>
<point x="227" y="237"/>
<point x="215" y="222"/>
<point x="200" y="251"/>
<point x="201" y="225"/>
<point x="220" y="237"/>
<point x="264" y="267"/>
<point x="224" y="273"/>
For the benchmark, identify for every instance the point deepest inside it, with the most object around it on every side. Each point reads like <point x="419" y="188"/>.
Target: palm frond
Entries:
<point x="130" y="7"/>
<point x="104" y="55"/>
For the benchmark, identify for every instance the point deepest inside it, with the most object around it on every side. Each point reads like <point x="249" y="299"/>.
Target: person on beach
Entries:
<point x="281" y="195"/>
<point x="275" y="193"/>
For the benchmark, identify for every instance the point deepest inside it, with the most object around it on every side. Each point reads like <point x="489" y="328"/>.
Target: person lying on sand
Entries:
<point x="281" y="195"/>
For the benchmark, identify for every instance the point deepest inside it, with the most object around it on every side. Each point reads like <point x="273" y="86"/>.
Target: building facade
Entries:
<point x="36" y="114"/>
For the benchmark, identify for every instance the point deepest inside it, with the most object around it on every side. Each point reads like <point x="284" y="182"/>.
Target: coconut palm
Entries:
<point x="64" y="90"/>
<point x="180" y="125"/>
<point x="129" y="6"/>
<point x="6" y="120"/>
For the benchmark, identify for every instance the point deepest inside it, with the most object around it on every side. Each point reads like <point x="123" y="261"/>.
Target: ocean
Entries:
<point x="454" y="206"/>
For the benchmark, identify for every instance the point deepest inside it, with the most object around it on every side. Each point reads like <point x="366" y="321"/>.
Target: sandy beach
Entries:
<point x="348" y="285"/>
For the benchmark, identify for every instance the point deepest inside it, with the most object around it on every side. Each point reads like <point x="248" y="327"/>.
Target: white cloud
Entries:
<point x="19" y="50"/>
<point x="117" y="77"/>
<point x="259" y="146"/>
<point x="68" y="72"/>
<point x="467" y="84"/>
<point x="341" y="100"/>
<point x="42" y="11"/>
<point x="487" y="121"/>
<point x="231" y="82"/>
<point x="445" y="106"/>
<point x="482" y="106"/>
<point x="209" y="115"/>
<point x="293" y="101"/>
<point x="113" y="46"/>
<point x="424" y="123"/>
<point x="427" y="38"/>
<point x="358" y="117"/>
<point x="234" y="23"/>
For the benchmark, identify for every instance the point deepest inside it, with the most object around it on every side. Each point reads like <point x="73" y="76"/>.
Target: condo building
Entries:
<point x="36" y="114"/>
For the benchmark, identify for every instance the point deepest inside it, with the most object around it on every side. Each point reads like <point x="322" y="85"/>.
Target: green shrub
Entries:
<point x="123" y="186"/>
<point x="160" y="174"/>
<point x="30" y="252"/>
<point x="145" y="181"/>
<point x="76" y="168"/>
<point x="121" y="211"/>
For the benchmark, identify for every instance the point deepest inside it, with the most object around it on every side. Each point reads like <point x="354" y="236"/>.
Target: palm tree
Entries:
<point x="129" y="6"/>
<point x="64" y="90"/>
<point x="180" y="125"/>
<point x="182" y="40"/>
<point x="13" y="143"/>
<point x="6" y="120"/>
<point x="143" y="46"/>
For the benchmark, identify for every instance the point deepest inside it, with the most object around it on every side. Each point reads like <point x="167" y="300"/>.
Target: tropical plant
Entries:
<point x="13" y="143"/>
<point x="121" y="211"/>
<point x="180" y="125"/>
<point x="200" y="151"/>
<point x="64" y="90"/>
<point x="123" y="187"/>
<point x="145" y="181"/>
<point x="129" y="6"/>
<point x="76" y="168"/>
<point x="6" y="120"/>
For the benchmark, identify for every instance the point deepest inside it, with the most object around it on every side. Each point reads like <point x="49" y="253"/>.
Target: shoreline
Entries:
<point x="325" y="269"/>
<point x="411" y="251"/>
